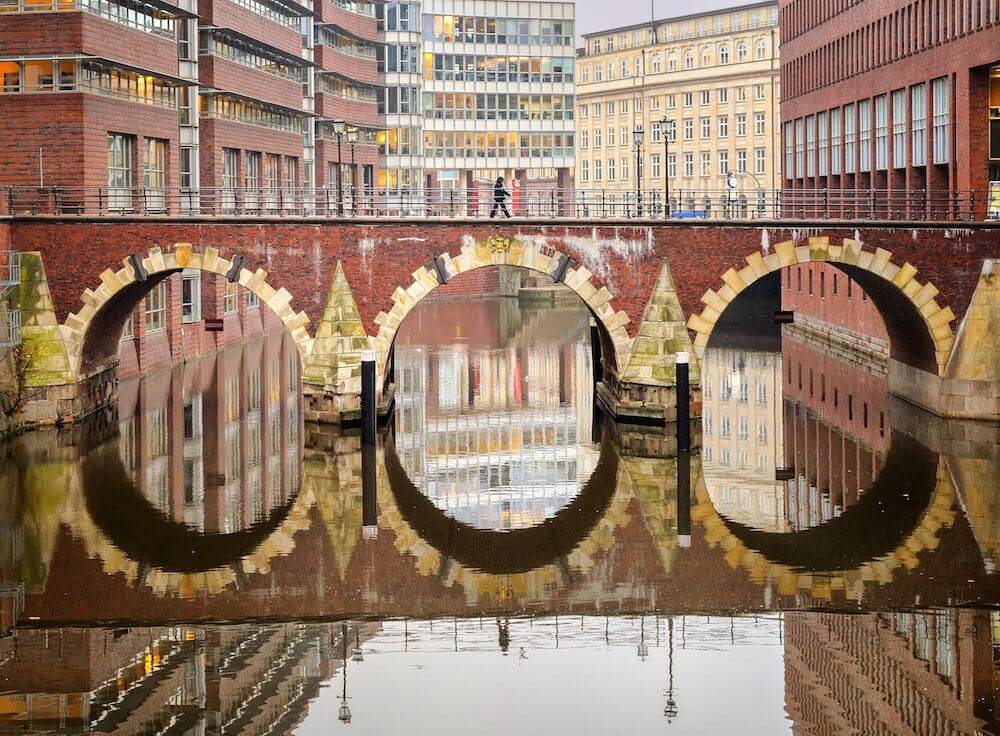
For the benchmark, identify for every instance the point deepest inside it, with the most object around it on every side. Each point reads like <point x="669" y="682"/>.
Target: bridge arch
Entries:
<point x="920" y="333"/>
<point x="91" y="334"/>
<point x="502" y="251"/>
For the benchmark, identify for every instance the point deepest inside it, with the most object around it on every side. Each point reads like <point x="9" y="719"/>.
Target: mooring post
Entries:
<point x="368" y="414"/>
<point x="683" y="499"/>
<point x="369" y="495"/>
<point x="595" y="350"/>
<point x="683" y="404"/>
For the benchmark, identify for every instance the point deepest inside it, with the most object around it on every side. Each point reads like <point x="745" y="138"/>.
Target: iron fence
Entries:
<point x="547" y="203"/>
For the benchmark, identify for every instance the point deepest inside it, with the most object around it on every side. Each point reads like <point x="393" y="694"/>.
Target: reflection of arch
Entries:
<point x="902" y="300"/>
<point x="500" y="251"/>
<point x="504" y="552"/>
<point x="92" y="335"/>
<point x="895" y="520"/>
<point x="132" y="537"/>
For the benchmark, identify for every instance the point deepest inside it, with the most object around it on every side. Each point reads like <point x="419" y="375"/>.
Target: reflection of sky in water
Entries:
<point x="496" y="430"/>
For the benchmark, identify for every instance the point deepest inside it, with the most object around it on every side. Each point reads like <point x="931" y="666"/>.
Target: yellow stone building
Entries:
<point x="708" y="83"/>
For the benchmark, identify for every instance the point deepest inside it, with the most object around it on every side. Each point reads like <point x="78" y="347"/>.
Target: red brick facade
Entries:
<point x="828" y="294"/>
<point x="838" y="57"/>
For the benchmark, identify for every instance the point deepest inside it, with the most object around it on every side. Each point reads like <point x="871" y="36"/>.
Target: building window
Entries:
<point x="741" y="51"/>
<point x="156" y="308"/>
<point x="706" y="97"/>
<point x="939" y="91"/>
<point x="611" y="169"/>
<point x="688" y="164"/>
<point x="120" y="171"/>
<point x="918" y="109"/>
<point x="899" y="128"/>
<point x="811" y="146"/>
<point x="230" y="162"/>
<point x="759" y="123"/>
<point x="190" y="296"/>
<point x="835" y="141"/>
<point x="706" y="128"/>
<point x="723" y="126"/>
<point x="849" y="139"/>
<point x="760" y="50"/>
<point x="758" y="92"/>
<point x="585" y="170"/>
<point x="723" y="95"/>
<point x="688" y="129"/>
<point x="881" y="133"/>
<point x="689" y="59"/>
<point x="154" y="174"/>
<point x="671" y="102"/>
<point x="597" y="169"/>
<point x="229" y="305"/>
<point x="823" y="144"/>
<point x="758" y="161"/>
<point x="655" y="132"/>
<point x="688" y="99"/>
<point x="672" y="63"/>
<point x="723" y="54"/>
<point x="706" y="163"/>
<point x="865" y="130"/>
<point x="597" y="138"/>
<point x="672" y="165"/>
<point x="251" y="180"/>
<point x="252" y="300"/>
<point x="723" y="163"/>
<point x="654" y="166"/>
<point x="800" y="147"/>
<point x="741" y="125"/>
<point x="741" y="161"/>
<point x="790" y="171"/>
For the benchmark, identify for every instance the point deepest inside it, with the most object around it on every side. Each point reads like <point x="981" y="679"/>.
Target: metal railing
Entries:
<point x="10" y="328"/>
<point x="533" y="202"/>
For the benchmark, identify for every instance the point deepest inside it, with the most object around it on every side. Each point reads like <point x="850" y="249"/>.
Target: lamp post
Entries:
<point x="665" y="132"/>
<point x="352" y="139"/>
<point x="637" y="135"/>
<point x="344" y="714"/>
<point x="338" y="130"/>
<point x="670" y="710"/>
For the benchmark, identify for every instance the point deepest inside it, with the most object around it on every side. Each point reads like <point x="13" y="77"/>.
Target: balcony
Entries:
<point x="354" y="18"/>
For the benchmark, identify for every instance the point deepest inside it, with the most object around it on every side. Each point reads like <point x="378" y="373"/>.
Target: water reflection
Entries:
<point x="494" y="425"/>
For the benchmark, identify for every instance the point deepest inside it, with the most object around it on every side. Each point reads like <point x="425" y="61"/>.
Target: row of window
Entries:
<point x="821" y="285"/>
<point x="397" y="16"/>
<point x="704" y="96"/>
<point x="851" y="413"/>
<point x="121" y="152"/>
<point x="132" y="13"/>
<point x="70" y="75"/>
<point x="328" y="36"/>
<point x="498" y="145"/>
<point x="469" y="106"/>
<point x="656" y="129"/>
<point x="627" y="67"/>
<point x="155" y="312"/>
<point x="252" y="113"/>
<point x="246" y="54"/>
<point x="856" y="137"/>
<point x="472" y="29"/>
<point x="359" y="6"/>
<point x="340" y="87"/>
<point x="742" y="427"/>
<point x="693" y="28"/>
<point x="474" y="68"/>
<point x="610" y="172"/>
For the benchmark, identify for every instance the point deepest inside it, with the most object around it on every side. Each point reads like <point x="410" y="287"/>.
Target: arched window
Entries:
<point x="656" y="64"/>
<point x="672" y="63"/>
<point x="760" y="50"/>
<point x="741" y="51"/>
<point x="723" y="54"/>
<point x="689" y="59"/>
<point x="706" y="56"/>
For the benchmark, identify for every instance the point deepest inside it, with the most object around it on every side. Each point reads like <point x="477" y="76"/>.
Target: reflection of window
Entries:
<point x="253" y="301"/>
<point x="191" y="296"/>
<point x="943" y="648"/>
<point x="229" y="300"/>
<point x="156" y="308"/>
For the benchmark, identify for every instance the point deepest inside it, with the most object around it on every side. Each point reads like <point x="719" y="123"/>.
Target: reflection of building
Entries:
<point x="215" y="444"/>
<point x="894" y="673"/>
<point x="713" y="76"/>
<point x="239" y="679"/>
<point x="836" y="434"/>
<point x="742" y="436"/>
<point x="498" y="436"/>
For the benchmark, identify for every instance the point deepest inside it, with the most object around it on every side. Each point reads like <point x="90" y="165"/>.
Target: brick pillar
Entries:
<point x="971" y="133"/>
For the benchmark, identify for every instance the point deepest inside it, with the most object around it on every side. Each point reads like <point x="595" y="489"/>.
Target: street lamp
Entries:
<point x="344" y="714"/>
<point x="665" y="132"/>
<point x="338" y="130"/>
<point x="670" y="710"/>
<point x="637" y="135"/>
<point x="352" y="139"/>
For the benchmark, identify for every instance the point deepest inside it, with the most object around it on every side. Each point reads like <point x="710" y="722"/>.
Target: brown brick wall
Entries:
<point x="353" y="112"/>
<point x="217" y="134"/>
<point x="353" y="67"/>
<point x="359" y="25"/>
<point x="223" y="74"/>
<point x="226" y="14"/>
<point x="827" y="293"/>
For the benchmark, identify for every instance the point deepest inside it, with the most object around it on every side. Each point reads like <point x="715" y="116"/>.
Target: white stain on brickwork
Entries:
<point x="626" y="244"/>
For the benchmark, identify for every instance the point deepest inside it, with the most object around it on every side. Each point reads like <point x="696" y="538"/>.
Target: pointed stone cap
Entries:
<point x="662" y="334"/>
<point x="335" y="360"/>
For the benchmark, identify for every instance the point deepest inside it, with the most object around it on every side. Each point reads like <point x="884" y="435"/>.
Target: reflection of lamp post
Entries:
<point x="665" y="132"/>
<point x="637" y="135"/>
<point x="344" y="715"/>
<point x="338" y="130"/>
<point x="352" y="138"/>
<point x="670" y="710"/>
<point x="642" y="650"/>
<point x="356" y="654"/>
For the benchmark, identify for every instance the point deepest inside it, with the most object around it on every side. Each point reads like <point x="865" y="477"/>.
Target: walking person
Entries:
<point x="500" y="195"/>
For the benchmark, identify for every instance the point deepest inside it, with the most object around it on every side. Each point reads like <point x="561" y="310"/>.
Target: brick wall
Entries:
<point x="227" y="14"/>
<point x="217" y="134"/>
<point x="352" y="67"/>
<point x="827" y="293"/>
<point x="358" y="25"/>
<point x="221" y="73"/>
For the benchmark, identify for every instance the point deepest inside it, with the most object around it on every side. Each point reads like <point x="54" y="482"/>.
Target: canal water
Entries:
<point x="507" y="561"/>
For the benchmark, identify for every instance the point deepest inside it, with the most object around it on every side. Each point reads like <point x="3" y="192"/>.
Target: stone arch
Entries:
<point x="502" y="251"/>
<point x="105" y="309"/>
<point x="902" y="300"/>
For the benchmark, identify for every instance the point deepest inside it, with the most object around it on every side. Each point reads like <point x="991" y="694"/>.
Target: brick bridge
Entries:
<point x="655" y="288"/>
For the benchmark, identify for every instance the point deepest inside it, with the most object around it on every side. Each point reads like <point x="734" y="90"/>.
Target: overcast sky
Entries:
<point x="594" y="15"/>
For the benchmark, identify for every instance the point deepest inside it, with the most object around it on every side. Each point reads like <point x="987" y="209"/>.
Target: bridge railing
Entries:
<point x="576" y="203"/>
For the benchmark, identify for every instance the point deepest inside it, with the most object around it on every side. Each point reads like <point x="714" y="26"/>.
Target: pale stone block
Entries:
<point x="381" y="318"/>
<point x="580" y="276"/>
<point x="618" y="319"/>
<point x="170" y="261"/>
<point x="734" y="281"/>
<point x="911" y="288"/>
<point x="279" y="299"/>
<point x="111" y="281"/>
<point x="890" y="271"/>
<point x="727" y="294"/>
<point x="927" y="292"/>
<point x="851" y="251"/>
<point x="880" y="260"/>
<point x="865" y="259"/>
<point x="785" y="250"/>
<point x="802" y="254"/>
<point x="836" y="252"/>
<point x="748" y="275"/>
<point x="756" y="263"/>
<point x="699" y="324"/>
<point x="904" y="275"/>
<point x="941" y="317"/>
<point x="601" y="297"/>
<point x="711" y="299"/>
